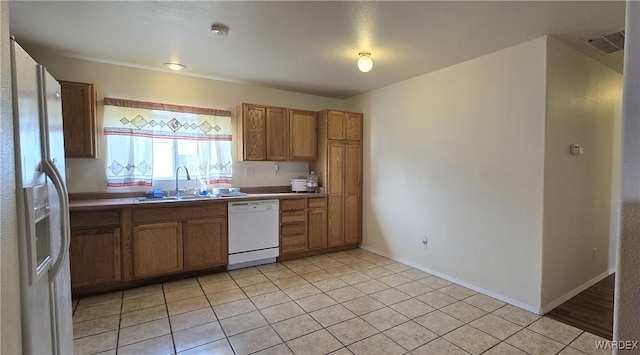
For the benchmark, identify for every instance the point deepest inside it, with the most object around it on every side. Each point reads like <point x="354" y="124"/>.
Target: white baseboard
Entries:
<point x="486" y="292"/>
<point x="548" y="308"/>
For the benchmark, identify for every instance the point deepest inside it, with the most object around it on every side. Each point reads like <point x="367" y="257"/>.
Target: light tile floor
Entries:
<point x="349" y="302"/>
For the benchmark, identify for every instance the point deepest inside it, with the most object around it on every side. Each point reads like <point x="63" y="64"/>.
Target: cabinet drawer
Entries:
<point x="164" y="214"/>
<point x="293" y="244"/>
<point x="288" y="230"/>
<point x="292" y="204"/>
<point x="92" y="219"/>
<point x="317" y="202"/>
<point x="293" y="217"/>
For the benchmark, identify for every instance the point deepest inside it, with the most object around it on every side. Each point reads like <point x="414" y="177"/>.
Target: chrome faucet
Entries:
<point x="188" y="178"/>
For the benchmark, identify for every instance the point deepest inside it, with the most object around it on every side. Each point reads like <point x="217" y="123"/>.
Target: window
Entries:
<point x="147" y="141"/>
<point x="168" y="154"/>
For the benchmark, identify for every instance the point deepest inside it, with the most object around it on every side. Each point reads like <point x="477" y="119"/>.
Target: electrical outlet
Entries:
<point x="595" y="254"/>
<point x="276" y="169"/>
<point x="425" y="243"/>
<point x="249" y="171"/>
<point x="576" y="149"/>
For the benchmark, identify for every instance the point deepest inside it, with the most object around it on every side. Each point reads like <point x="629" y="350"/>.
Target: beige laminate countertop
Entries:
<point x="109" y="203"/>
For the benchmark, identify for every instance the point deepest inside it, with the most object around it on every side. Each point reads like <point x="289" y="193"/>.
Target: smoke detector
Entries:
<point x="219" y="29"/>
<point x="607" y="43"/>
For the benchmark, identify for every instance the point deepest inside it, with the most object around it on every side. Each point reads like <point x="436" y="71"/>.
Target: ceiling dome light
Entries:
<point x="365" y="63"/>
<point x="220" y="30"/>
<point x="174" y="66"/>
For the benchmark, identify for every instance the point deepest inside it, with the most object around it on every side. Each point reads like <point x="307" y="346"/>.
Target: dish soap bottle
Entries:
<point x="312" y="182"/>
<point x="203" y="188"/>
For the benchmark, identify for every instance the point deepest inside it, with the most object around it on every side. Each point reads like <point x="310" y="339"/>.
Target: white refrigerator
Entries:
<point x="43" y="208"/>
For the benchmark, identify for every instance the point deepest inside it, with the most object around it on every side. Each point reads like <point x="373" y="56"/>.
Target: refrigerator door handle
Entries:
<point x="52" y="172"/>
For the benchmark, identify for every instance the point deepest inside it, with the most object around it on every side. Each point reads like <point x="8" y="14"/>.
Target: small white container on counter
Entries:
<point x="298" y="185"/>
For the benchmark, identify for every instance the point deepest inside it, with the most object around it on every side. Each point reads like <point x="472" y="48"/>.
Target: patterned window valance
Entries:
<point x="156" y="119"/>
<point x="130" y="127"/>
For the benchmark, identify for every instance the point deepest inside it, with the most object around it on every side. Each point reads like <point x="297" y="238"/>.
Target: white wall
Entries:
<point x="627" y="303"/>
<point x="457" y="155"/>
<point x="86" y="175"/>
<point x="10" y="331"/>
<point x="583" y="106"/>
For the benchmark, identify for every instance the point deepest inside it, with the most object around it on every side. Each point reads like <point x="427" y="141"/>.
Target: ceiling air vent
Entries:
<point x="609" y="43"/>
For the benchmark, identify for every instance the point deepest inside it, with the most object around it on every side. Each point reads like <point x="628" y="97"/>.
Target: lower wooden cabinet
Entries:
<point x="293" y="226"/>
<point x="344" y="193"/>
<point x="204" y="243"/>
<point x="157" y="249"/>
<point x="94" y="255"/>
<point x="170" y="240"/>
<point x="336" y="218"/>
<point x="117" y="248"/>
<point x="303" y="225"/>
<point x="317" y="226"/>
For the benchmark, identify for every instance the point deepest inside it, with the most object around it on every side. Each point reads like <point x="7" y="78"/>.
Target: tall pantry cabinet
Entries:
<point x="339" y="169"/>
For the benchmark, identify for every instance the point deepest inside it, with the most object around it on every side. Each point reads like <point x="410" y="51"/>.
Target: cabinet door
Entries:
<point x="94" y="255"/>
<point x="317" y="228"/>
<point x="277" y="136"/>
<point x="254" y="128"/>
<point x="353" y="193"/>
<point x="335" y="191"/>
<point x="335" y="168"/>
<point x="157" y="249"/>
<point x="353" y="168"/>
<point x="78" y="119"/>
<point x="335" y="125"/>
<point x="335" y="218"/>
<point x="353" y="126"/>
<point x="352" y="219"/>
<point x="205" y="243"/>
<point x="302" y="135"/>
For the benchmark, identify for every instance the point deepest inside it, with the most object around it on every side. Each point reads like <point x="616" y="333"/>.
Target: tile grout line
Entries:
<point x="226" y="337"/>
<point x="166" y="307"/>
<point x="119" y="320"/>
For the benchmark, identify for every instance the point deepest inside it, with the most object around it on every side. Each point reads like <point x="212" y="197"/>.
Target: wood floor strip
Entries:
<point x="591" y="310"/>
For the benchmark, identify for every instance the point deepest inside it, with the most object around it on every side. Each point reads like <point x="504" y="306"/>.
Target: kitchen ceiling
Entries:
<point x="309" y="47"/>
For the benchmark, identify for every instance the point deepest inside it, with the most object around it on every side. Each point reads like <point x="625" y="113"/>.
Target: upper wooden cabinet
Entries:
<point x="302" y="135"/>
<point x="79" y="119"/>
<point x="266" y="133"/>
<point x="252" y="132"/>
<point x="277" y="134"/>
<point x="343" y="125"/>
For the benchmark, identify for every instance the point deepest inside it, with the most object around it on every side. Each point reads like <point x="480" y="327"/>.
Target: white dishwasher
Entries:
<point x="253" y="233"/>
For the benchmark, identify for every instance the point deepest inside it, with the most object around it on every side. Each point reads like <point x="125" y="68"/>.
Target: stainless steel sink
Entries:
<point x="194" y="197"/>
<point x="156" y="199"/>
<point x="174" y="198"/>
